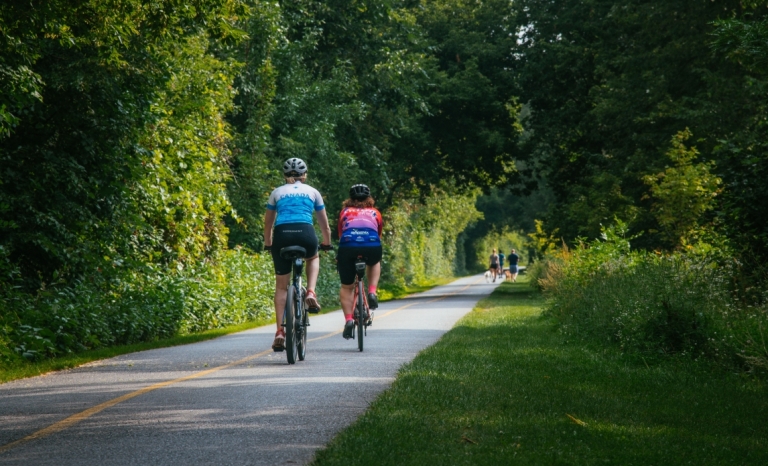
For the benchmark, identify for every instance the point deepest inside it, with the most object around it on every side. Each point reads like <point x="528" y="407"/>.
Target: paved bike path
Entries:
<point x="225" y="401"/>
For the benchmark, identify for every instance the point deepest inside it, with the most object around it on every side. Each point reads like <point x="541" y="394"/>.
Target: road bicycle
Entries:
<point x="295" y="317"/>
<point x="363" y="316"/>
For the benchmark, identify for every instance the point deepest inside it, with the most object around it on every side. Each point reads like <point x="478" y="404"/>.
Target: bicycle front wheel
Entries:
<point x="290" y="326"/>
<point x="360" y="318"/>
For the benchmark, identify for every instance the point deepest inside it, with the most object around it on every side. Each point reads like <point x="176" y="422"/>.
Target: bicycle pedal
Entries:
<point x="313" y="310"/>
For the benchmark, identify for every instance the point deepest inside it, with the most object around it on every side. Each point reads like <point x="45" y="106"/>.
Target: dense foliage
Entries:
<point x="139" y="140"/>
<point x="608" y="84"/>
<point x="421" y="241"/>
<point x="654" y="305"/>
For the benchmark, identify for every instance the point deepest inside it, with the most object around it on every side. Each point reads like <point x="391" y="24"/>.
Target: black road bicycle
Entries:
<point x="295" y="317"/>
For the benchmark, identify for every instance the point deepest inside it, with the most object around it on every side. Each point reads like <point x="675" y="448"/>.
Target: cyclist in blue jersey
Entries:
<point x="289" y="211"/>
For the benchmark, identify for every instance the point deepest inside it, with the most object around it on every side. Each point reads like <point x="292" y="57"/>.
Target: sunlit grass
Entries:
<point x="388" y="292"/>
<point x="505" y="387"/>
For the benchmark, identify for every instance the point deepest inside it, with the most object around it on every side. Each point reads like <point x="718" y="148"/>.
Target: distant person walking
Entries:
<point x="513" y="260"/>
<point x="494" y="267"/>
<point x="501" y="263"/>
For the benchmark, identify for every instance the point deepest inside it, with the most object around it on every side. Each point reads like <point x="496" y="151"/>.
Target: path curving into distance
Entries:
<point x="225" y="401"/>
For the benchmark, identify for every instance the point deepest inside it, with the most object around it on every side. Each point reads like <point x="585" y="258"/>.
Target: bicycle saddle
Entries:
<point x="360" y="265"/>
<point x="293" y="252"/>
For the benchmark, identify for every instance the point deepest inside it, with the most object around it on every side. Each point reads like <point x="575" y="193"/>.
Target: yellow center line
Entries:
<point x="83" y="415"/>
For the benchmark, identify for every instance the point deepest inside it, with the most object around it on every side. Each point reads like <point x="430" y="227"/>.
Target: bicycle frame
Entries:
<point x="295" y="317"/>
<point x="360" y="303"/>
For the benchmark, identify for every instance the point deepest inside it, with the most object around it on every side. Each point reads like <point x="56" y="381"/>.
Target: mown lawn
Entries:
<point x="503" y="387"/>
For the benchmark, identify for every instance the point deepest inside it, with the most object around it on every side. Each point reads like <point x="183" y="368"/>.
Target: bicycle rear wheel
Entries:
<point x="360" y="318"/>
<point x="301" y="327"/>
<point x="290" y="326"/>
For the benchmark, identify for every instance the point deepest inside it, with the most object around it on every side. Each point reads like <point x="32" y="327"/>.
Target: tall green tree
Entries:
<point x="473" y="126"/>
<point x="116" y="148"/>
<point x="608" y="83"/>
<point x="743" y="153"/>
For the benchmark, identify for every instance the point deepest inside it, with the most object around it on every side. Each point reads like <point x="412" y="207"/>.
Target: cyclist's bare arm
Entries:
<point x="322" y="220"/>
<point x="269" y="222"/>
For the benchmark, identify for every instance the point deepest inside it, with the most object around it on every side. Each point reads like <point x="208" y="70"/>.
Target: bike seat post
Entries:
<point x="298" y="265"/>
<point x="360" y="268"/>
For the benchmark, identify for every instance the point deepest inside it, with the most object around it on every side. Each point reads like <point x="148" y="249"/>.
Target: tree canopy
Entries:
<point x="148" y="134"/>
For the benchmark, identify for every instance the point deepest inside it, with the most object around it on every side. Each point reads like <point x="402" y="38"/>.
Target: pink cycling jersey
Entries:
<point x="360" y="226"/>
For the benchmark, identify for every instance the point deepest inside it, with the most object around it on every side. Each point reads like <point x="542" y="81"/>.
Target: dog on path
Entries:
<point x="490" y="278"/>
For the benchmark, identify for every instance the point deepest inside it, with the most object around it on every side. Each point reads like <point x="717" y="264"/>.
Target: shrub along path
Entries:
<point x="503" y="387"/>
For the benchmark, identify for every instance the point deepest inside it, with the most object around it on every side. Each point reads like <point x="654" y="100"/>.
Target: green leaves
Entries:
<point x="607" y="84"/>
<point x="683" y="193"/>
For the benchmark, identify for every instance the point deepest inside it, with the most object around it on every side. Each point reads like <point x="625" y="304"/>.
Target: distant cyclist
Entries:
<point x="359" y="228"/>
<point x="494" y="267"/>
<point x="290" y="209"/>
<point x="513" y="260"/>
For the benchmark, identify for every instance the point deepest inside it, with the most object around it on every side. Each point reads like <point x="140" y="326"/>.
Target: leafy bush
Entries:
<point x="136" y="305"/>
<point x="654" y="305"/>
<point x="420" y="239"/>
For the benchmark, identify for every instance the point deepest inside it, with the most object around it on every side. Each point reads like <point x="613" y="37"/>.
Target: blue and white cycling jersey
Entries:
<point x="295" y="203"/>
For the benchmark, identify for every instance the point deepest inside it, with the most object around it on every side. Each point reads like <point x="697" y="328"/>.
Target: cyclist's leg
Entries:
<point x="281" y="291"/>
<point x="346" y="296"/>
<point x="345" y="266"/>
<point x="282" y="278"/>
<point x="313" y="270"/>
<point x="373" y="274"/>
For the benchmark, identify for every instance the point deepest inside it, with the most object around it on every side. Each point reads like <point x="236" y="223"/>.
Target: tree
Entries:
<point x="743" y="153"/>
<point x="683" y="193"/>
<point x="116" y="150"/>
<point x="608" y="83"/>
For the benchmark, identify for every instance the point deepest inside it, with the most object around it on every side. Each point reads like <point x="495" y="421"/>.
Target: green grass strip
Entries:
<point x="504" y="387"/>
<point x="387" y="292"/>
<point x="22" y="369"/>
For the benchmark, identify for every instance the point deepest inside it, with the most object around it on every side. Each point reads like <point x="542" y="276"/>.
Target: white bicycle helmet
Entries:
<point x="294" y="167"/>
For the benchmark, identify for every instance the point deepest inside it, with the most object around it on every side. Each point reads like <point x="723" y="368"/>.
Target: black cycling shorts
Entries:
<point x="347" y="256"/>
<point x="292" y="234"/>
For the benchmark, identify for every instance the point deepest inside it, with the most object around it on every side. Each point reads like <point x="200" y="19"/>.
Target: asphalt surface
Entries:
<point x="237" y="402"/>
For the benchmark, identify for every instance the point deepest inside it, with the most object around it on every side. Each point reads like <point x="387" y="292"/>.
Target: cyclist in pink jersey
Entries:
<point x="359" y="229"/>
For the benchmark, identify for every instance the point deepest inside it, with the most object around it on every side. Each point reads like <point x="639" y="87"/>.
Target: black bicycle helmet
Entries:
<point x="294" y="167"/>
<point x="359" y="192"/>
